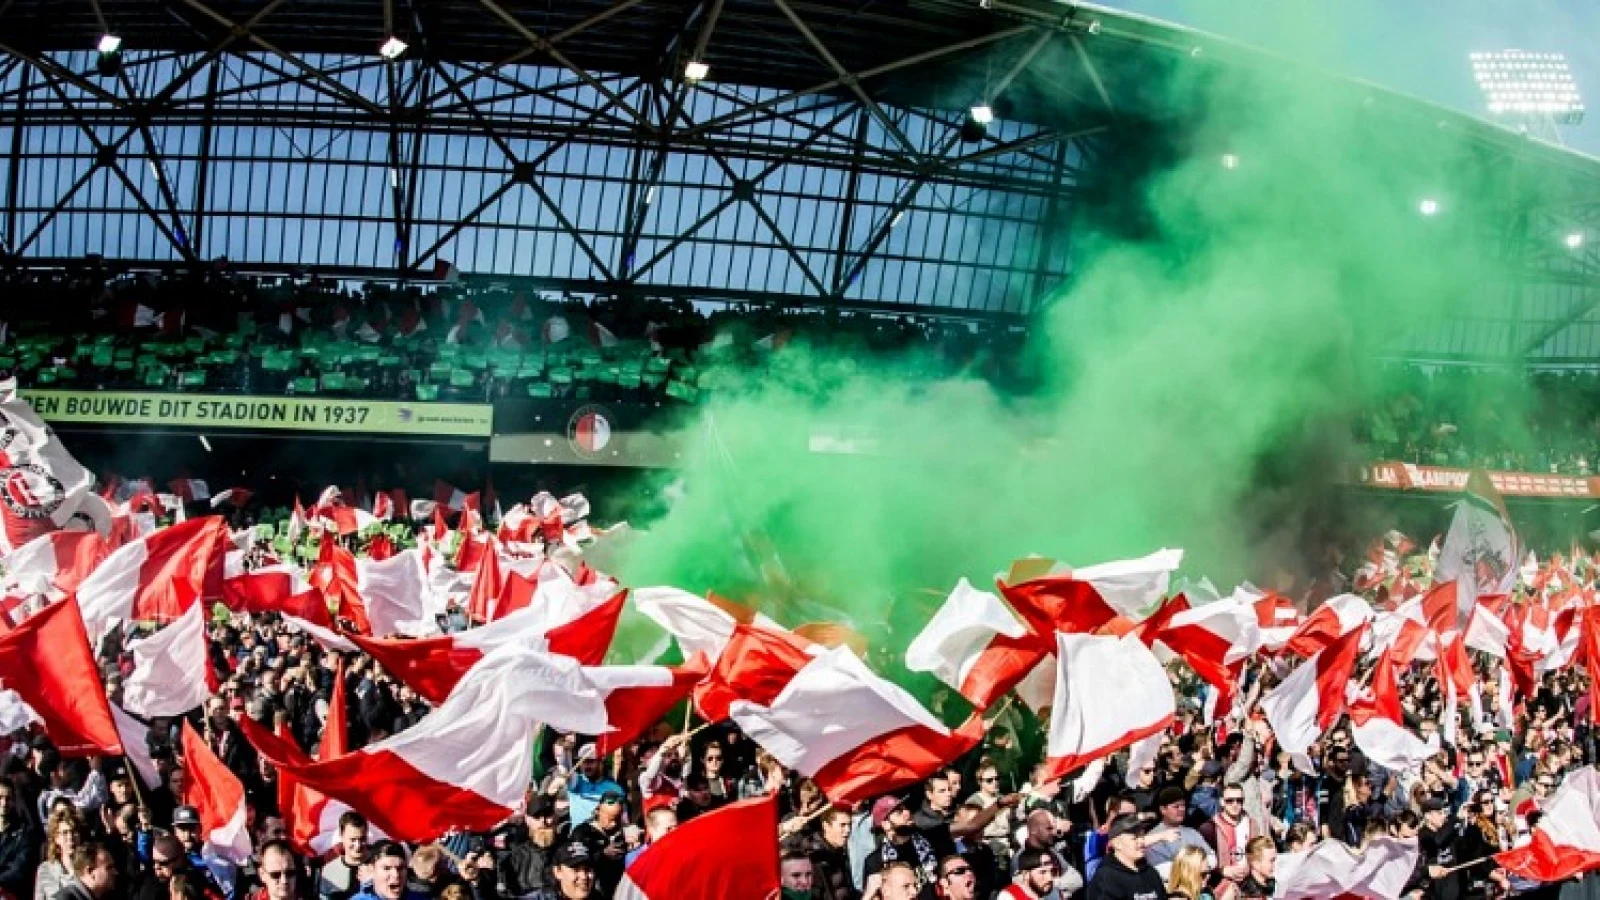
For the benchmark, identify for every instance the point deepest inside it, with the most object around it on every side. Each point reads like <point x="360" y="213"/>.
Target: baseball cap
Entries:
<point x="1434" y="804"/>
<point x="882" y="807"/>
<point x="1121" y="825"/>
<point x="1033" y="858"/>
<point x="543" y="806"/>
<point x="573" y="854"/>
<point x="186" y="815"/>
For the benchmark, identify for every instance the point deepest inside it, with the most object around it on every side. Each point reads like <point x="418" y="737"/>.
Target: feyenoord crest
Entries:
<point x="589" y="430"/>
<point x="30" y="492"/>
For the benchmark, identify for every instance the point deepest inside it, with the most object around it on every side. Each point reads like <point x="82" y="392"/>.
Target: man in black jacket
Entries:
<point x="1437" y="841"/>
<point x="1124" y="874"/>
<point x="94" y="874"/>
<point x="525" y="870"/>
<point x="19" y="846"/>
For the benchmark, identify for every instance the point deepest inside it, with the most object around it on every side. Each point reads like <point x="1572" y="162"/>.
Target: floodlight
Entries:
<point x="1519" y="84"/>
<point x="393" y="48"/>
<point x="1574" y="240"/>
<point x="1428" y="206"/>
<point x="696" y="71"/>
<point x="109" y="43"/>
<point x="1230" y="161"/>
<point x="982" y="114"/>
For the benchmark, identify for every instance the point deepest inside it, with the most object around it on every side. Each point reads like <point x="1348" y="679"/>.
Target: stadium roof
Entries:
<point x="862" y="102"/>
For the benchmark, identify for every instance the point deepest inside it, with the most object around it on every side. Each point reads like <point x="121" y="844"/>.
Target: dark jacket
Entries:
<point x="1115" y="881"/>
<point x="74" y="890"/>
<point x="525" y="870"/>
<point x="19" y="857"/>
<point x="830" y="869"/>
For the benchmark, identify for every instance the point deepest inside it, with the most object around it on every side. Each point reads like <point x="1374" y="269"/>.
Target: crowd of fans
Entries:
<point x="223" y="332"/>
<point x="1205" y="819"/>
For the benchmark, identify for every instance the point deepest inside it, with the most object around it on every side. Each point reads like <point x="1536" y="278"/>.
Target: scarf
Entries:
<point x="921" y="857"/>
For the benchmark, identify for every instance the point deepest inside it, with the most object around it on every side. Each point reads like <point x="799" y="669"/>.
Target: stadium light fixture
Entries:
<point x="1428" y="206"/>
<point x="982" y="114"/>
<point x="1230" y="161"/>
<point x="1094" y="26"/>
<point x="393" y="48"/>
<point x="205" y="443"/>
<point x="1574" y="240"/>
<point x="696" y="71"/>
<point x="1520" y="84"/>
<point x="109" y="43"/>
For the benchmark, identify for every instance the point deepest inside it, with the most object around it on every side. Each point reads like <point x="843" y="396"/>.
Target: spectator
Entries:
<point x="94" y="874"/>
<point x="66" y="835"/>
<point x="602" y="835"/>
<point x="388" y="860"/>
<point x="525" y="870"/>
<point x="1124" y="874"/>
<point x="658" y="823"/>
<point x="1170" y="834"/>
<point x="898" y="842"/>
<point x="573" y="867"/>
<point x="1229" y="832"/>
<point x="1261" y="857"/>
<point x="19" y="846"/>
<point x="186" y="827"/>
<point x="1191" y="873"/>
<point x="796" y="878"/>
<point x="338" y="880"/>
<point x="1035" y="879"/>
<point x="721" y="787"/>
<point x="957" y="880"/>
<point x="279" y="871"/>
<point x="900" y="881"/>
<point x="830" y="860"/>
<point x="587" y="785"/>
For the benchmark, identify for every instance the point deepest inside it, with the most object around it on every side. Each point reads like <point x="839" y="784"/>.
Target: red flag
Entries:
<point x="219" y="796"/>
<point x="716" y="856"/>
<point x="483" y="603"/>
<point x="47" y="661"/>
<point x="756" y="665"/>
<point x="638" y="696"/>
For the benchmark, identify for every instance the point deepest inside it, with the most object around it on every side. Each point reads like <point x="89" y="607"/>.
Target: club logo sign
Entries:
<point x="29" y="491"/>
<point x="589" y="431"/>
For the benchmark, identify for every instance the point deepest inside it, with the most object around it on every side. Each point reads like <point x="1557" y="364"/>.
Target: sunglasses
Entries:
<point x="958" y="871"/>
<point x="989" y="780"/>
<point x="1232" y="799"/>
<point x="277" y="876"/>
<point x="611" y="801"/>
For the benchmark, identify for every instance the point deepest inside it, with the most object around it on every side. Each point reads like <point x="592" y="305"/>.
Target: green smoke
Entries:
<point x="1191" y="385"/>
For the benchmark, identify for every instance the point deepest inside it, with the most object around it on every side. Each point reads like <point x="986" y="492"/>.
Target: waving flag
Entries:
<point x="157" y="577"/>
<point x="850" y="731"/>
<point x="636" y="697"/>
<point x="975" y="644"/>
<point x="755" y="665"/>
<point x="1308" y="701"/>
<point x="171" y="669"/>
<point x="219" y="796"/>
<point x="1327" y="623"/>
<point x="41" y="484"/>
<point x="1566" y="842"/>
<point x="699" y="625"/>
<point x="434" y="666"/>
<point x="47" y="661"/>
<point x="468" y="763"/>
<point x="1331" y="870"/>
<point x="711" y="857"/>
<point x="1480" y="550"/>
<point x="1095" y="715"/>
<point x="55" y="564"/>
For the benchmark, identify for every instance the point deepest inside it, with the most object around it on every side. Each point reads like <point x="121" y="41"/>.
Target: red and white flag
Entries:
<point x="54" y="564"/>
<point x="190" y="490"/>
<point x="1304" y="704"/>
<point x="699" y="625"/>
<point x="47" y="661"/>
<point x="237" y="497"/>
<point x="853" y="733"/>
<point x="1082" y="600"/>
<point x="1378" y="723"/>
<point x="636" y="697"/>
<point x="1095" y="715"/>
<point x="1331" y="870"/>
<point x="170" y="668"/>
<point x="715" y="856"/>
<point x="397" y="594"/>
<point x="41" y="484"/>
<point x="1215" y="639"/>
<point x="468" y="763"/>
<point x="434" y="666"/>
<point x="156" y="577"/>
<point x="755" y="665"/>
<point x="219" y="796"/>
<point x="1327" y="623"/>
<point x="136" y="747"/>
<point x="1566" y="842"/>
<point x="448" y="496"/>
<point x="975" y="644"/>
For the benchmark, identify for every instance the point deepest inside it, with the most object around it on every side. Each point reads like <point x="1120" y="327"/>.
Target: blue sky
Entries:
<point x="1416" y="46"/>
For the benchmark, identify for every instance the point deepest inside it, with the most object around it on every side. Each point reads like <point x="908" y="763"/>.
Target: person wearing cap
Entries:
<point x="899" y="842"/>
<point x="1172" y="805"/>
<point x="573" y="869"/>
<point x="587" y="784"/>
<point x="187" y="827"/>
<point x="603" y="836"/>
<point x="1123" y="873"/>
<point x="1035" y="878"/>
<point x="1437" y="840"/>
<point x="525" y="870"/>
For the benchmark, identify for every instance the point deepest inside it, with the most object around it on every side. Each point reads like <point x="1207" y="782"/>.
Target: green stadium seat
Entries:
<point x="303" y="385"/>
<point x="427" y="392"/>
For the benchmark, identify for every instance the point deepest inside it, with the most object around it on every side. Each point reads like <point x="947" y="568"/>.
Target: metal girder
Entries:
<point x="850" y="81"/>
<point x="909" y="194"/>
<point x="311" y="72"/>
<point x="541" y="44"/>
